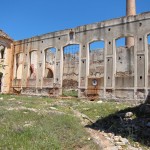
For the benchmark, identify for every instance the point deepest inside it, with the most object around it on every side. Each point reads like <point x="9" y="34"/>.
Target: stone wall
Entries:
<point x="6" y="62"/>
<point x="120" y="73"/>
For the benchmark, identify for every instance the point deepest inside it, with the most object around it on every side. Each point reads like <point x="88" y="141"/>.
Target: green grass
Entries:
<point x="27" y="129"/>
<point x="72" y="93"/>
<point x="96" y="110"/>
<point x="41" y="123"/>
<point x="44" y="132"/>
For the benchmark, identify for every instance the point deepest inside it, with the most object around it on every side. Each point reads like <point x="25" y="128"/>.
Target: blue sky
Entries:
<point x="26" y="18"/>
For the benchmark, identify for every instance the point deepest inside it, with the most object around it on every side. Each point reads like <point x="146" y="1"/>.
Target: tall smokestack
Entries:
<point x="130" y="11"/>
<point x="130" y="7"/>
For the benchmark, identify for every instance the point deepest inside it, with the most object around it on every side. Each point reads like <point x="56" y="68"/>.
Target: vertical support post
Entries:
<point x="61" y="69"/>
<point x="7" y="76"/>
<point x="135" y="68"/>
<point x="146" y="65"/>
<point x="105" y="68"/>
<point x="114" y="68"/>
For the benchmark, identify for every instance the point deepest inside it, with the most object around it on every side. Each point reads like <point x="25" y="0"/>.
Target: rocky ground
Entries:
<point x="114" y="131"/>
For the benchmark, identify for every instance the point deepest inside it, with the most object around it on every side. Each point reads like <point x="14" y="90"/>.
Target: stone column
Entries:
<point x="130" y="11"/>
<point x="8" y="70"/>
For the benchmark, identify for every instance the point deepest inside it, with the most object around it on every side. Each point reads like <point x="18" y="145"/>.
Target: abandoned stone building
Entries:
<point x="94" y="60"/>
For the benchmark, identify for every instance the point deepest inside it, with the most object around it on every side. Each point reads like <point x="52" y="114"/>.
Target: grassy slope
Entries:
<point x="95" y="110"/>
<point x="28" y="123"/>
<point x="43" y="123"/>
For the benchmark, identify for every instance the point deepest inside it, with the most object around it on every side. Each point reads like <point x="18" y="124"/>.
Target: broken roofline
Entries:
<point x="99" y="25"/>
<point x="4" y="35"/>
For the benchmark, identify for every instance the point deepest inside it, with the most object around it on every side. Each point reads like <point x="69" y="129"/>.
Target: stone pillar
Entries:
<point x="8" y="69"/>
<point x="130" y="11"/>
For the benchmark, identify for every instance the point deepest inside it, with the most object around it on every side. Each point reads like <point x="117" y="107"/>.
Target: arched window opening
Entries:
<point x="33" y="64"/>
<point x="2" y="50"/>
<point x="70" y="66"/>
<point x="96" y="56"/>
<point x="124" y="62"/>
<point x="19" y="64"/>
<point x="97" y="45"/>
<point x="50" y="55"/>
<point x="124" y="56"/>
<point x="2" y="54"/>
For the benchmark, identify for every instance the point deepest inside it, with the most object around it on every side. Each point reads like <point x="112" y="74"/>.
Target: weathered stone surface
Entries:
<point x="65" y="58"/>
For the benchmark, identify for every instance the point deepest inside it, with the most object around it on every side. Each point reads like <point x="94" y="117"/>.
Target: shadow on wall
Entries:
<point x="133" y="123"/>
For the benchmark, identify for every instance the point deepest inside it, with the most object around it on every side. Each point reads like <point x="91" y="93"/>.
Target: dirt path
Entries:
<point x="97" y="137"/>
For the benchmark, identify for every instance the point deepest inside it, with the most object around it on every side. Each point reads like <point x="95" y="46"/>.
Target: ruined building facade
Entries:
<point x="87" y="59"/>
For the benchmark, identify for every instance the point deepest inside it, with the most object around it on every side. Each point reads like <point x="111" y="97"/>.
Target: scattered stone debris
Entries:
<point x="131" y="122"/>
<point x="11" y="99"/>
<point x="86" y="117"/>
<point x="97" y="137"/>
<point x="28" y="124"/>
<point x="99" y="102"/>
<point x="53" y="108"/>
<point x="89" y="139"/>
<point x="21" y="108"/>
<point x="128" y="115"/>
<point x="86" y="109"/>
<point x="120" y="142"/>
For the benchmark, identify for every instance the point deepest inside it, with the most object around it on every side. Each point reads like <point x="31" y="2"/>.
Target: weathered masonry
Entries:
<point x="93" y="60"/>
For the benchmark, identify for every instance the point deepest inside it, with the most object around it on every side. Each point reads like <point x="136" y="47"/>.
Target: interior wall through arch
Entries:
<point x="33" y="64"/>
<point x="124" y="63"/>
<point x="50" y="55"/>
<point x="71" y="66"/>
<point x="124" y="57"/>
<point x="96" y="58"/>
<point x="19" y="65"/>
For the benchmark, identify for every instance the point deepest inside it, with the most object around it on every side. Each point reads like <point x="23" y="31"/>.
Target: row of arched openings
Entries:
<point x="71" y="61"/>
